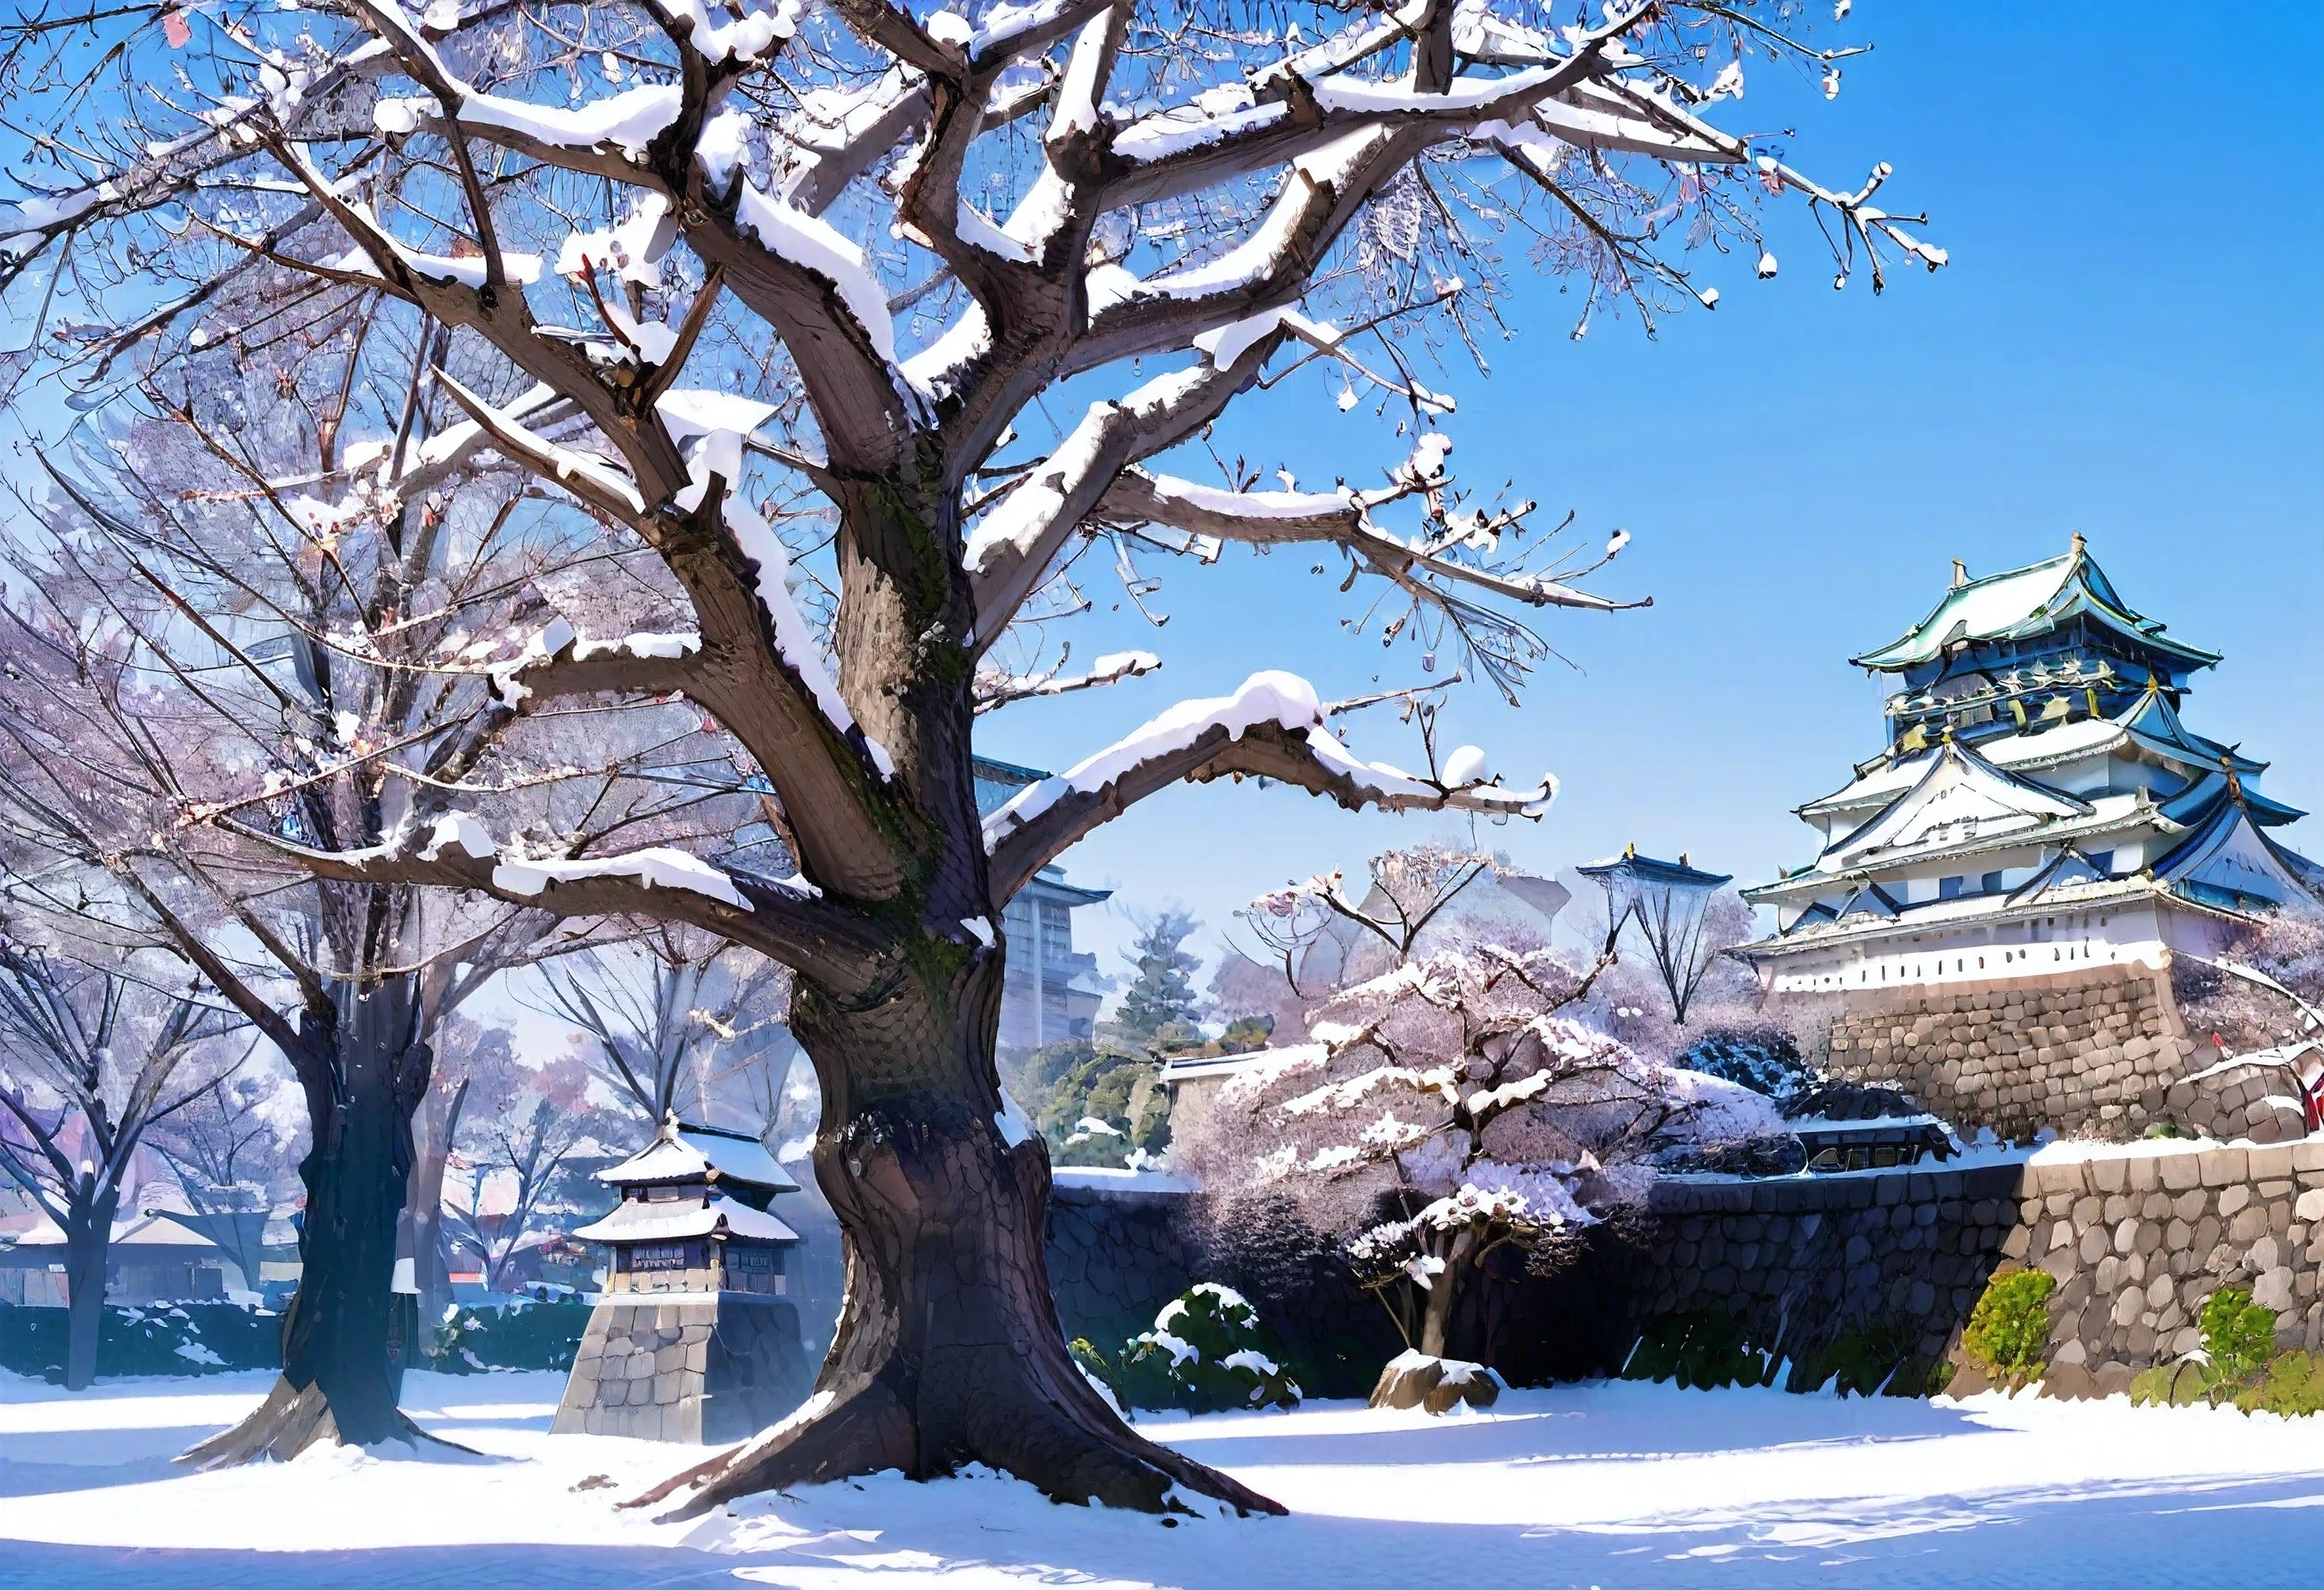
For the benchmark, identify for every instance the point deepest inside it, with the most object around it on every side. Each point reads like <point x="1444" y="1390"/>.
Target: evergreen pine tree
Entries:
<point x="1163" y="993"/>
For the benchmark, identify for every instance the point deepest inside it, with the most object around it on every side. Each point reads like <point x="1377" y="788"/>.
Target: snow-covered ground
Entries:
<point x="1615" y="1487"/>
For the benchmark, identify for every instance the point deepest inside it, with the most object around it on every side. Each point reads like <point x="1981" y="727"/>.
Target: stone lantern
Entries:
<point x="694" y="1339"/>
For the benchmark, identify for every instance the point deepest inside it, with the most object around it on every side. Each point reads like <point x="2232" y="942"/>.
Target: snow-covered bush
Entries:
<point x="1763" y="1057"/>
<point x="1447" y="1109"/>
<point x="513" y="1336"/>
<point x="1206" y="1353"/>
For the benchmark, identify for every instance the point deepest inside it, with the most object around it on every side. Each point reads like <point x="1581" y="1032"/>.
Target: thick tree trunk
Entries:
<point x="88" y="1239"/>
<point x="947" y="1351"/>
<point x="346" y="1320"/>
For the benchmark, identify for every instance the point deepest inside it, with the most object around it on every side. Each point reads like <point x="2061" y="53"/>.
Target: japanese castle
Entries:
<point x="2040" y="803"/>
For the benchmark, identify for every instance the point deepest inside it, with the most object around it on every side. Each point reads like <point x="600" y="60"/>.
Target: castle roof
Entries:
<point x="700" y="1153"/>
<point x="1646" y="869"/>
<point x="2149" y="723"/>
<point x="2026" y="602"/>
<point x="633" y="1220"/>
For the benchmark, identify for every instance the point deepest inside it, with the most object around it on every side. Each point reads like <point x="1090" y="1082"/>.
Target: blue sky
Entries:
<point x="2127" y="343"/>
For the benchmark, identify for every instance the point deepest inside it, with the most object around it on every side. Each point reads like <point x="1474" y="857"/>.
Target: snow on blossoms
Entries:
<point x="1446" y="1110"/>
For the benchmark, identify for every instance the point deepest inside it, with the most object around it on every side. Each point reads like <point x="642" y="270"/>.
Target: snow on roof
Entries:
<point x="689" y="1153"/>
<point x="2037" y="747"/>
<point x="1978" y="609"/>
<point x="144" y="1231"/>
<point x="1206" y="1067"/>
<point x="632" y="1220"/>
<point x="1923" y="915"/>
<point x="2020" y="602"/>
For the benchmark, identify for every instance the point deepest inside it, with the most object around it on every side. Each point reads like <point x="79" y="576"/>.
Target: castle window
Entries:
<point x="1950" y="888"/>
<point x="1990" y="883"/>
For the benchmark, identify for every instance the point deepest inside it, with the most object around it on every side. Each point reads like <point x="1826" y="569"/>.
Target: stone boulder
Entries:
<point x="1414" y="1380"/>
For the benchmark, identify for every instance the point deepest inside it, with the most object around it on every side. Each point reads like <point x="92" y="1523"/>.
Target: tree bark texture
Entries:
<point x="1437" y="1315"/>
<point x="338" y="1383"/>
<point x="88" y="1238"/>
<point x="947" y="1350"/>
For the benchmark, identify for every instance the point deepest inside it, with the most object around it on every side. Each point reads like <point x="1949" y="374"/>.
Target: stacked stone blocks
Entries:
<point x="2137" y="1242"/>
<point x="2099" y="1052"/>
<point x="1801" y="1260"/>
<point x="704" y="1369"/>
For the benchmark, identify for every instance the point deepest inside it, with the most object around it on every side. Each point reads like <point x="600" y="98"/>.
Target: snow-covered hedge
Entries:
<point x="1765" y="1058"/>
<point x="515" y="1335"/>
<point x="159" y="1338"/>
<point x="1206" y="1353"/>
<point x="209" y="1338"/>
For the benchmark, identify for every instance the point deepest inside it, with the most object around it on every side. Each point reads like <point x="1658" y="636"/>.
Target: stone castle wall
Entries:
<point x="2136" y="1236"/>
<point x="2136" y="1239"/>
<point x="2099" y="1052"/>
<point x="1801" y="1261"/>
<point x="2137" y="1242"/>
<point x="1116" y="1255"/>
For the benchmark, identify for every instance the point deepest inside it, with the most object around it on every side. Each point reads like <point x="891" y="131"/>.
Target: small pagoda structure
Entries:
<point x="693" y="1338"/>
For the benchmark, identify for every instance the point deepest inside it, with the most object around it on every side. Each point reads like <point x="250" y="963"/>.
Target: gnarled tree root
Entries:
<point x="1073" y="1454"/>
<point x="291" y="1419"/>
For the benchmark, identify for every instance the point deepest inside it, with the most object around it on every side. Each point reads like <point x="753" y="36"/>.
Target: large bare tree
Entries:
<point x="779" y="295"/>
<point x="180" y="671"/>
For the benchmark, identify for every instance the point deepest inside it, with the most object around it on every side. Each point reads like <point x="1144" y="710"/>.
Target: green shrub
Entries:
<point x="2172" y="1385"/>
<point x="1206" y="1353"/>
<point x="2238" y="1336"/>
<point x="2010" y="1326"/>
<point x="1091" y="1358"/>
<point x="1700" y="1350"/>
<point x="2293" y="1386"/>
<point x="1866" y="1360"/>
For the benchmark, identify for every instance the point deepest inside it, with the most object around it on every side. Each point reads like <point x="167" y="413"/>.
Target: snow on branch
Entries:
<point x="1013" y="547"/>
<point x="784" y="919"/>
<point x="1272" y="727"/>
<point x="996" y="689"/>
<point x="593" y="479"/>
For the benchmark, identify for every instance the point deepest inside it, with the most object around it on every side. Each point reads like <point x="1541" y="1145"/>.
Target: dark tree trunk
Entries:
<point x="435" y="1122"/>
<point x="88" y="1239"/>
<point x="346" y="1324"/>
<point x="1436" y="1315"/>
<point x="947" y="1350"/>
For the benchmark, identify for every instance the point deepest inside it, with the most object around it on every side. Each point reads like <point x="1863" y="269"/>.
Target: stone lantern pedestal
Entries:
<point x="693" y="1338"/>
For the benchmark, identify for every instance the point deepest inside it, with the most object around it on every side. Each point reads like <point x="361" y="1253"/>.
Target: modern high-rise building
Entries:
<point x="1052" y="991"/>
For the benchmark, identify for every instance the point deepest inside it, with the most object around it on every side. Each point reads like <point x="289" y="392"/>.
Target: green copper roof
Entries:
<point x="2024" y="601"/>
